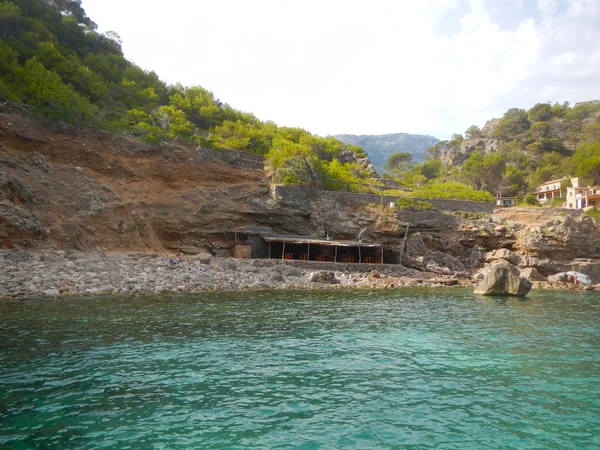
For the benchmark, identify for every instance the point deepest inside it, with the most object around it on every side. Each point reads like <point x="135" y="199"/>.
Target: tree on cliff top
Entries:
<point x="473" y="132"/>
<point x="514" y="122"/>
<point x="399" y="162"/>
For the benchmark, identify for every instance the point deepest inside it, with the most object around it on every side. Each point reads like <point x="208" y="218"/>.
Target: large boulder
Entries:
<point x="531" y="274"/>
<point x="503" y="279"/>
<point x="502" y="254"/>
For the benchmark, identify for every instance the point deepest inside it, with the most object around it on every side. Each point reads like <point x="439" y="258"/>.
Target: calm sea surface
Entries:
<point x="357" y="369"/>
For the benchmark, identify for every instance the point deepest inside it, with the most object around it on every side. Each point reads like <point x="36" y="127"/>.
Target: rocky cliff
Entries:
<point x="90" y="191"/>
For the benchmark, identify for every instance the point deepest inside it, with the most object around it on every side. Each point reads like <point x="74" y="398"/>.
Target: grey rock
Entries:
<point x="277" y="277"/>
<point x="323" y="277"/>
<point x="503" y="279"/>
<point x="531" y="274"/>
<point x="228" y="265"/>
<point x="51" y="293"/>
<point x="502" y="254"/>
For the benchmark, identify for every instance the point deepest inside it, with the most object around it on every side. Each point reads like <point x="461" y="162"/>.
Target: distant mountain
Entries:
<point x="380" y="147"/>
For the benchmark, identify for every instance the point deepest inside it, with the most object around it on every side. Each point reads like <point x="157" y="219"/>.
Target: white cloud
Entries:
<point x="547" y="7"/>
<point x="357" y="67"/>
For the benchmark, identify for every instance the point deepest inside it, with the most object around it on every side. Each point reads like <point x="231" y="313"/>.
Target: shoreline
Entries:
<point x="26" y="275"/>
<point x="55" y="274"/>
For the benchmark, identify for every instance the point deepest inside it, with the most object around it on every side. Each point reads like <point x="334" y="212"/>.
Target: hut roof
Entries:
<point x="297" y="239"/>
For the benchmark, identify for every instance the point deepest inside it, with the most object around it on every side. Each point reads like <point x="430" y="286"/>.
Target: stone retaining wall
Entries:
<point x="298" y="195"/>
<point x="233" y="157"/>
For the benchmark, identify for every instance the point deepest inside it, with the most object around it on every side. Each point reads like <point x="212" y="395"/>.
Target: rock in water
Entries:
<point x="503" y="279"/>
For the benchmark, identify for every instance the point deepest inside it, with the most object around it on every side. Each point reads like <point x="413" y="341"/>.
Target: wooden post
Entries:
<point x="269" y="250"/>
<point x="308" y="253"/>
<point x="335" y="253"/>
<point x="359" y="258"/>
<point x="283" y="251"/>
<point x="382" y="254"/>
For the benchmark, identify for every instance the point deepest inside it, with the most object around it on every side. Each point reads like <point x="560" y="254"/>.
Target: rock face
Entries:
<point x="419" y="257"/>
<point x="503" y="279"/>
<point x="531" y="274"/>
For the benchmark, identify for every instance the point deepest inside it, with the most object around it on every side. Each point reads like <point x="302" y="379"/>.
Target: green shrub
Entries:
<point x="151" y="134"/>
<point x="528" y="200"/>
<point x="556" y="202"/>
<point x="452" y="190"/>
<point x="410" y="204"/>
<point x="396" y="192"/>
<point x="594" y="214"/>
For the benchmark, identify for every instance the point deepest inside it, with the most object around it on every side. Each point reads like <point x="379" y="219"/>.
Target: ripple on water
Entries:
<point x="429" y="369"/>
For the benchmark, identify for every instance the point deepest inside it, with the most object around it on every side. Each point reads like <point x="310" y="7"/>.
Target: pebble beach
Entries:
<point x="58" y="273"/>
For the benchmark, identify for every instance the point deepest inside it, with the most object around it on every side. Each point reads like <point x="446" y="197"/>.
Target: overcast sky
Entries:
<point x="367" y="67"/>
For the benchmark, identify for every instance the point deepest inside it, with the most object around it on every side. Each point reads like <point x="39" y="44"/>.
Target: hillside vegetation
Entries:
<point x="381" y="147"/>
<point x="53" y="58"/>
<point x="511" y="155"/>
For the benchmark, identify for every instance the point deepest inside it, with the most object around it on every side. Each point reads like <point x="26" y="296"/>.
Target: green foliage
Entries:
<point x="550" y="166"/>
<point x="410" y="204"/>
<point x="514" y="122"/>
<point x="44" y="89"/>
<point x="591" y="133"/>
<point x="513" y="181"/>
<point x="451" y="190"/>
<point x="300" y="170"/>
<point x="52" y="57"/>
<point x="484" y="172"/>
<point x="529" y="200"/>
<point x="336" y="172"/>
<point x="456" y="140"/>
<point x="284" y="149"/>
<point x="556" y="202"/>
<point x="590" y="170"/>
<point x="473" y="132"/>
<point x="594" y="214"/>
<point x="150" y="134"/>
<point x="542" y="112"/>
<point x="420" y="174"/>
<point x="540" y="130"/>
<point x="586" y="162"/>
<point x="581" y="112"/>
<point x="535" y="146"/>
<point x="399" y="162"/>
<point x="392" y="192"/>
<point x="175" y="123"/>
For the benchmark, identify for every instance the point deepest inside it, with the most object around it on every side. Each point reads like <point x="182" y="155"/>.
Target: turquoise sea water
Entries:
<point x="357" y="369"/>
